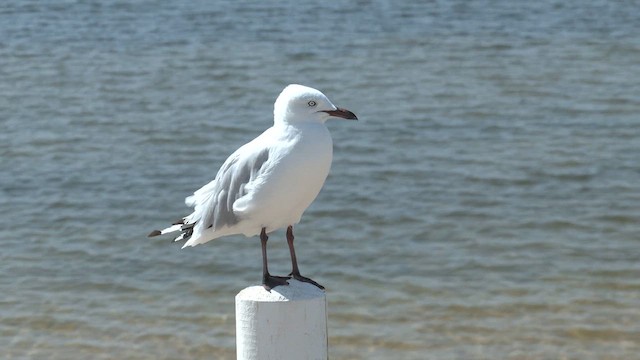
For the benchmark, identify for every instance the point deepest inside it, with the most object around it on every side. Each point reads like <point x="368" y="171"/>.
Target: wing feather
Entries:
<point x="213" y="203"/>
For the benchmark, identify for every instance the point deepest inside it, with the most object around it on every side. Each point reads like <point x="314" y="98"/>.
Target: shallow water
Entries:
<point x="485" y="206"/>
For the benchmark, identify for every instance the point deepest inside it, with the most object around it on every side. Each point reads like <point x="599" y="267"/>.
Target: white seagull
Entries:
<point x="269" y="182"/>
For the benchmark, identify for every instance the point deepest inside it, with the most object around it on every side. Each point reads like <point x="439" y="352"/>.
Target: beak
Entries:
<point x="342" y="113"/>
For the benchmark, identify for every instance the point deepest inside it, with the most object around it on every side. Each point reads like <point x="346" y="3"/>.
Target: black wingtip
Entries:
<point x="154" y="233"/>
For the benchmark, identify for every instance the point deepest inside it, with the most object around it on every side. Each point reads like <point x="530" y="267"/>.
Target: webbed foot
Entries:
<point x="270" y="281"/>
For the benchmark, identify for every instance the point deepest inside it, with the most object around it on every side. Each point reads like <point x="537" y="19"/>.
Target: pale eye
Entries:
<point x="311" y="103"/>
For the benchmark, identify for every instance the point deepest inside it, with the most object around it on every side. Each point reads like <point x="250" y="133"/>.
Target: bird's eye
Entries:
<point x="311" y="103"/>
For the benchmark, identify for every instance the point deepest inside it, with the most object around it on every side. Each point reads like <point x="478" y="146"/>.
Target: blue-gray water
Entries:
<point x="487" y="206"/>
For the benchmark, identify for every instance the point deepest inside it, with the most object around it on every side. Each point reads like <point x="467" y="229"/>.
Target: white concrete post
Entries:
<point x="290" y="322"/>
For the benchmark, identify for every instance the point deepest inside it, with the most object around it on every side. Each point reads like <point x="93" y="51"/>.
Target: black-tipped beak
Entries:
<point x="342" y="113"/>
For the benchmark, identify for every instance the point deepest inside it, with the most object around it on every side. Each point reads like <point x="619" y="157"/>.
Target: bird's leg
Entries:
<point x="269" y="281"/>
<point x="295" y="272"/>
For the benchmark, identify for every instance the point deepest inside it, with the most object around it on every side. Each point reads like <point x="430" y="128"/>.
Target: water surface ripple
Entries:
<point x="486" y="206"/>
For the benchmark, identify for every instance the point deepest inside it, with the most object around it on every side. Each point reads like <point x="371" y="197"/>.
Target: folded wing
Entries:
<point x="213" y="203"/>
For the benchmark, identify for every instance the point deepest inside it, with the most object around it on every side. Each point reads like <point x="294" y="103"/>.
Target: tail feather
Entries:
<point x="180" y="237"/>
<point x="188" y="224"/>
<point x="170" y="229"/>
<point x="187" y="230"/>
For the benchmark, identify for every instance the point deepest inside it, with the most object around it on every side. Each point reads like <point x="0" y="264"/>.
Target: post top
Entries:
<point x="296" y="290"/>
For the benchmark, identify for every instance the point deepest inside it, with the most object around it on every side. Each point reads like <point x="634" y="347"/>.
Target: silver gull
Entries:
<point x="269" y="182"/>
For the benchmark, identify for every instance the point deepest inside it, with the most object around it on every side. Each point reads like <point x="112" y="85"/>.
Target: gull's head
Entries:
<point x="298" y="104"/>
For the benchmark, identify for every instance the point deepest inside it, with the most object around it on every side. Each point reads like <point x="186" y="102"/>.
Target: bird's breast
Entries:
<point x="307" y="161"/>
<point x="299" y="168"/>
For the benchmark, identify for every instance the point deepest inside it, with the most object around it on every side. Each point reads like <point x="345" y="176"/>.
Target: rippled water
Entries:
<point x="487" y="206"/>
